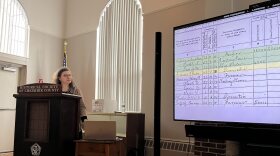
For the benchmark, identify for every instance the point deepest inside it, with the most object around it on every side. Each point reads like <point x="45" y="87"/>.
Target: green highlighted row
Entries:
<point x="268" y="54"/>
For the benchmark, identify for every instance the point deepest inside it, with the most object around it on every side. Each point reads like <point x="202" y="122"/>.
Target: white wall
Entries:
<point x="47" y="16"/>
<point x="47" y="30"/>
<point x="81" y="57"/>
<point x="45" y="56"/>
<point x="82" y="16"/>
<point x="81" y="23"/>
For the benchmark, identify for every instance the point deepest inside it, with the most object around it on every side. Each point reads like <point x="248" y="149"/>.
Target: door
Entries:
<point x="8" y="87"/>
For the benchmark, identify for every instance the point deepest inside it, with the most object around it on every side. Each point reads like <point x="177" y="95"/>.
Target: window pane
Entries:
<point x="13" y="28"/>
<point x="119" y="54"/>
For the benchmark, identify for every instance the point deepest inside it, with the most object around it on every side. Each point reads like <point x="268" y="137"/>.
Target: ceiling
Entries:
<point x="150" y="6"/>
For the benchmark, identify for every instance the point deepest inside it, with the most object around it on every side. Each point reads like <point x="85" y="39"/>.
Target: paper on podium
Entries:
<point x="110" y="106"/>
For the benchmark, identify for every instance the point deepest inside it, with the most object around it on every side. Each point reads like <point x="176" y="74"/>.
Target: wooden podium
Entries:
<point x="100" y="147"/>
<point x="47" y="121"/>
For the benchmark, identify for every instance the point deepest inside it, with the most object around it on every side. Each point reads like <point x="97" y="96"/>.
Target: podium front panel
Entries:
<point x="46" y="124"/>
<point x="37" y="121"/>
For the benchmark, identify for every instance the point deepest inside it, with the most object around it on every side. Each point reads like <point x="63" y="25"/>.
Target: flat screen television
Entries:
<point x="227" y="68"/>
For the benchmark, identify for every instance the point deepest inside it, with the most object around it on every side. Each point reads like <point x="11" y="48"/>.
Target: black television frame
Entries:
<point x="252" y="8"/>
<point x="255" y="133"/>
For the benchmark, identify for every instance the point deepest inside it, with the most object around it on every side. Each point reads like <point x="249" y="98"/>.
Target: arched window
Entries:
<point x="119" y="55"/>
<point x="14" y="29"/>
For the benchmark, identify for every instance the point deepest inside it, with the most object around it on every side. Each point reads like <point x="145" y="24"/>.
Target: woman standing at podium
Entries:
<point x="64" y="78"/>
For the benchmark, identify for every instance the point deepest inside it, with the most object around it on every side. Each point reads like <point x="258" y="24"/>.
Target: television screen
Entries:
<point x="227" y="69"/>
